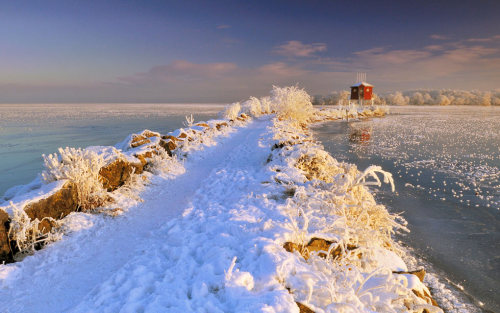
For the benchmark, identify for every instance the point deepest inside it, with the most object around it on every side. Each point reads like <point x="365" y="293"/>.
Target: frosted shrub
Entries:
<point x="265" y="104"/>
<point x="80" y="167"/>
<point x="380" y="110"/>
<point x="26" y="232"/>
<point x="232" y="111"/>
<point x="189" y="121"/>
<point x="292" y="103"/>
<point x="318" y="165"/>
<point x="162" y="164"/>
<point x="372" y="171"/>
<point x="252" y="107"/>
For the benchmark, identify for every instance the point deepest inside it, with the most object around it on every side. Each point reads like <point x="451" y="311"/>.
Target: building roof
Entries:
<point x="362" y="84"/>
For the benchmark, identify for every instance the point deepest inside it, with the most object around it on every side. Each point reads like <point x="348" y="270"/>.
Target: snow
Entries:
<point x="362" y="84"/>
<point x="25" y="194"/>
<point x="207" y="235"/>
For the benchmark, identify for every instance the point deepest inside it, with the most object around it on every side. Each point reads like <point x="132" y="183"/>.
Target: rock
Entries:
<point x="303" y="308"/>
<point x="146" y="155"/>
<point x="56" y="206"/>
<point x="142" y="159"/>
<point x="316" y="245"/>
<point x="118" y="172"/>
<point x="142" y="138"/>
<point x="139" y="140"/>
<point x="426" y="296"/>
<point x="168" y="146"/>
<point x="170" y="137"/>
<point x="220" y="125"/>
<point x="147" y="133"/>
<point x="202" y="125"/>
<point x="5" y="252"/>
<point x="419" y="273"/>
<point x="423" y="293"/>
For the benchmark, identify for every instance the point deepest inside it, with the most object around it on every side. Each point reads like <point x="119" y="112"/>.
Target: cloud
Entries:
<point x="434" y="47"/>
<point x="438" y="37"/>
<point x="223" y="26"/>
<point x="296" y="48"/>
<point x="180" y="70"/>
<point x="485" y="39"/>
<point x="182" y="80"/>
<point x="394" y="57"/>
<point x="281" y="69"/>
<point x="461" y="64"/>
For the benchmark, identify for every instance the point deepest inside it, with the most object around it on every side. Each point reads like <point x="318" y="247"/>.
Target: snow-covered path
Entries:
<point x="122" y="264"/>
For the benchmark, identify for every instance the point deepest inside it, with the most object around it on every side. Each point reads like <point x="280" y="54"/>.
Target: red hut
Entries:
<point x="362" y="91"/>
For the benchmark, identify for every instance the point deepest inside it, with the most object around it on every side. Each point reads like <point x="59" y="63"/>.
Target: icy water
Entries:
<point x="28" y="131"/>
<point x="446" y="165"/>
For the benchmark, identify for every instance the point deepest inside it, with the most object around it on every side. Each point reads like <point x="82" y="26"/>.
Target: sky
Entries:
<point x="225" y="51"/>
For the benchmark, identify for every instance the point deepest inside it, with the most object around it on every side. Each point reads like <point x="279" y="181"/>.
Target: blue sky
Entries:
<point x="222" y="51"/>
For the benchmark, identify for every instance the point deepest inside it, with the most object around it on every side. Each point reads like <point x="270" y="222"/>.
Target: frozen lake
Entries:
<point x="28" y="131"/>
<point x="446" y="165"/>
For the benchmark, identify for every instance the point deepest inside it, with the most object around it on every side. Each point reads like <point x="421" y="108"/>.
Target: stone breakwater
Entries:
<point x="43" y="205"/>
<point x="324" y="242"/>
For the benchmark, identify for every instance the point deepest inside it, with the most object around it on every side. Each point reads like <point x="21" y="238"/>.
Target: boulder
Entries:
<point x="5" y="252"/>
<point x="56" y="206"/>
<point x="220" y="125"/>
<point x="142" y="138"/>
<point x="170" y="137"/>
<point x="419" y="273"/>
<point x="303" y="308"/>
<point x="426" y="296"/>
<point x="147" y="133"/>
<point x="118" y="172"/>
<point x="318" y="245"/>
<point x="139" y="140"/>
<point x="202" y="125"/>
<point x="168" y="145"/>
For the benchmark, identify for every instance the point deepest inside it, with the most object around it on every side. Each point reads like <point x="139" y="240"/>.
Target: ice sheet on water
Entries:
<point x="447" y="165"/>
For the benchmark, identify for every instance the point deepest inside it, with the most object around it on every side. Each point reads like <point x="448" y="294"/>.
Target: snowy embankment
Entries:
<point x="251" y="217"/>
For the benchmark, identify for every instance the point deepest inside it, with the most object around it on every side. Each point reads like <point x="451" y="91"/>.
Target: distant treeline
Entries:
<point x="420" y="97"/>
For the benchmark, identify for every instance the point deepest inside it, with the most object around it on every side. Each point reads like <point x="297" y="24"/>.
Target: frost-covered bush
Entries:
<point x="265" y="103"/>
<point x="26" y="232"/>
<point x="232" y="111"/>
<point x="80" y="167"/>
<point x="292" y="103"/>
<point x="289" y="103"/>
<point x="162" y="164"/>
<point x="318" y="165"/>
<point x="252" y="107"/>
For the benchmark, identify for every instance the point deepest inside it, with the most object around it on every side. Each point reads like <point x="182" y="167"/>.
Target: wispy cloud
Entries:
<point x="472" y="62"/>
<point x="438" y="37"/>
<point x="180" y="70"/>
<point x="223" y="26"/>
<point x="295" y="48"/>
<point x="485" y="39"/>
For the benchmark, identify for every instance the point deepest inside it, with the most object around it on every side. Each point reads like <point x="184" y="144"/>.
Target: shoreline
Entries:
<point x="290" y="240"/>
<point x="464" y="257"/>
